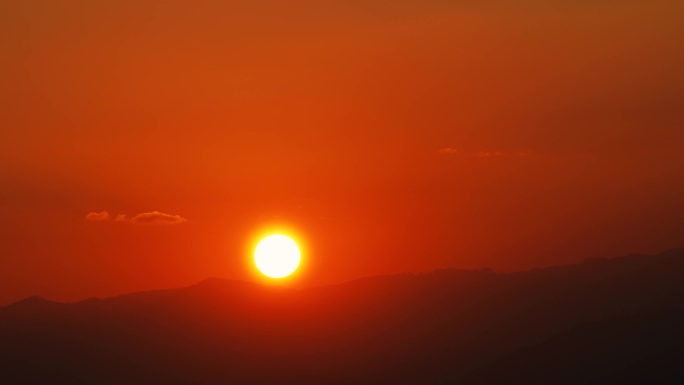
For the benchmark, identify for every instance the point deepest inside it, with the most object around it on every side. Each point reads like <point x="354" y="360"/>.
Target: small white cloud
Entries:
<point x="157" y="218"/>
<point x="448" y="151"/>
<point x="98" y="217"/>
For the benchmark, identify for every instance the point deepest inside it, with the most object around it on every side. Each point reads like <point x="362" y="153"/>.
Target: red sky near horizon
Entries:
<point x="393" y="136"/>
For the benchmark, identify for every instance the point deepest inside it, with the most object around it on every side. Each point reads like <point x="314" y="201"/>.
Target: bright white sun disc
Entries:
<point x="277" y="256"/>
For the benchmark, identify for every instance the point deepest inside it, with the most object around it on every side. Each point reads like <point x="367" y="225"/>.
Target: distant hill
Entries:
<point x="604" y="321"/>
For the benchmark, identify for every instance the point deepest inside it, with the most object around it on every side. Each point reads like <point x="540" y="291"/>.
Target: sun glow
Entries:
<point x="277" y="256"/>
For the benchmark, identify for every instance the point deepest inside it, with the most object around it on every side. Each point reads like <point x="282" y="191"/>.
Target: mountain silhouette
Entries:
<point x="603" y="321"/>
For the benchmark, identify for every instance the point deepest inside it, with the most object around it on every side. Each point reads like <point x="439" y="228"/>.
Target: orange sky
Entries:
<point x="392" y="135"/>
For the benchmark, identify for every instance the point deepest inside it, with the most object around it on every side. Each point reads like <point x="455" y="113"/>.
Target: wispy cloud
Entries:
<point x="447" y="151"/>
<point x="98" y="217"/>
<point x="451" y="151"/>
<point x="487" y="154"/>
<point x="149" y="218"/>
<point x="157" y="218"/>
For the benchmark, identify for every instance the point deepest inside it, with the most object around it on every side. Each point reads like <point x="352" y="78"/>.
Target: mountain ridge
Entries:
<point x="214" y="281"/>
<point x="600" y="321"/>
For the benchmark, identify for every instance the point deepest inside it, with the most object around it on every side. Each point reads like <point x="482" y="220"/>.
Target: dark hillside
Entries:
<point x="603" y="321"/>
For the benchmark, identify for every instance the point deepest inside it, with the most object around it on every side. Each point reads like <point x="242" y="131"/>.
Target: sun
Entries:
<point x="277" y="256"/>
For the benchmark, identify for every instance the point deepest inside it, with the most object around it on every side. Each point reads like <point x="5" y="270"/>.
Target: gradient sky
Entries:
<point x="393" y="136"/>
